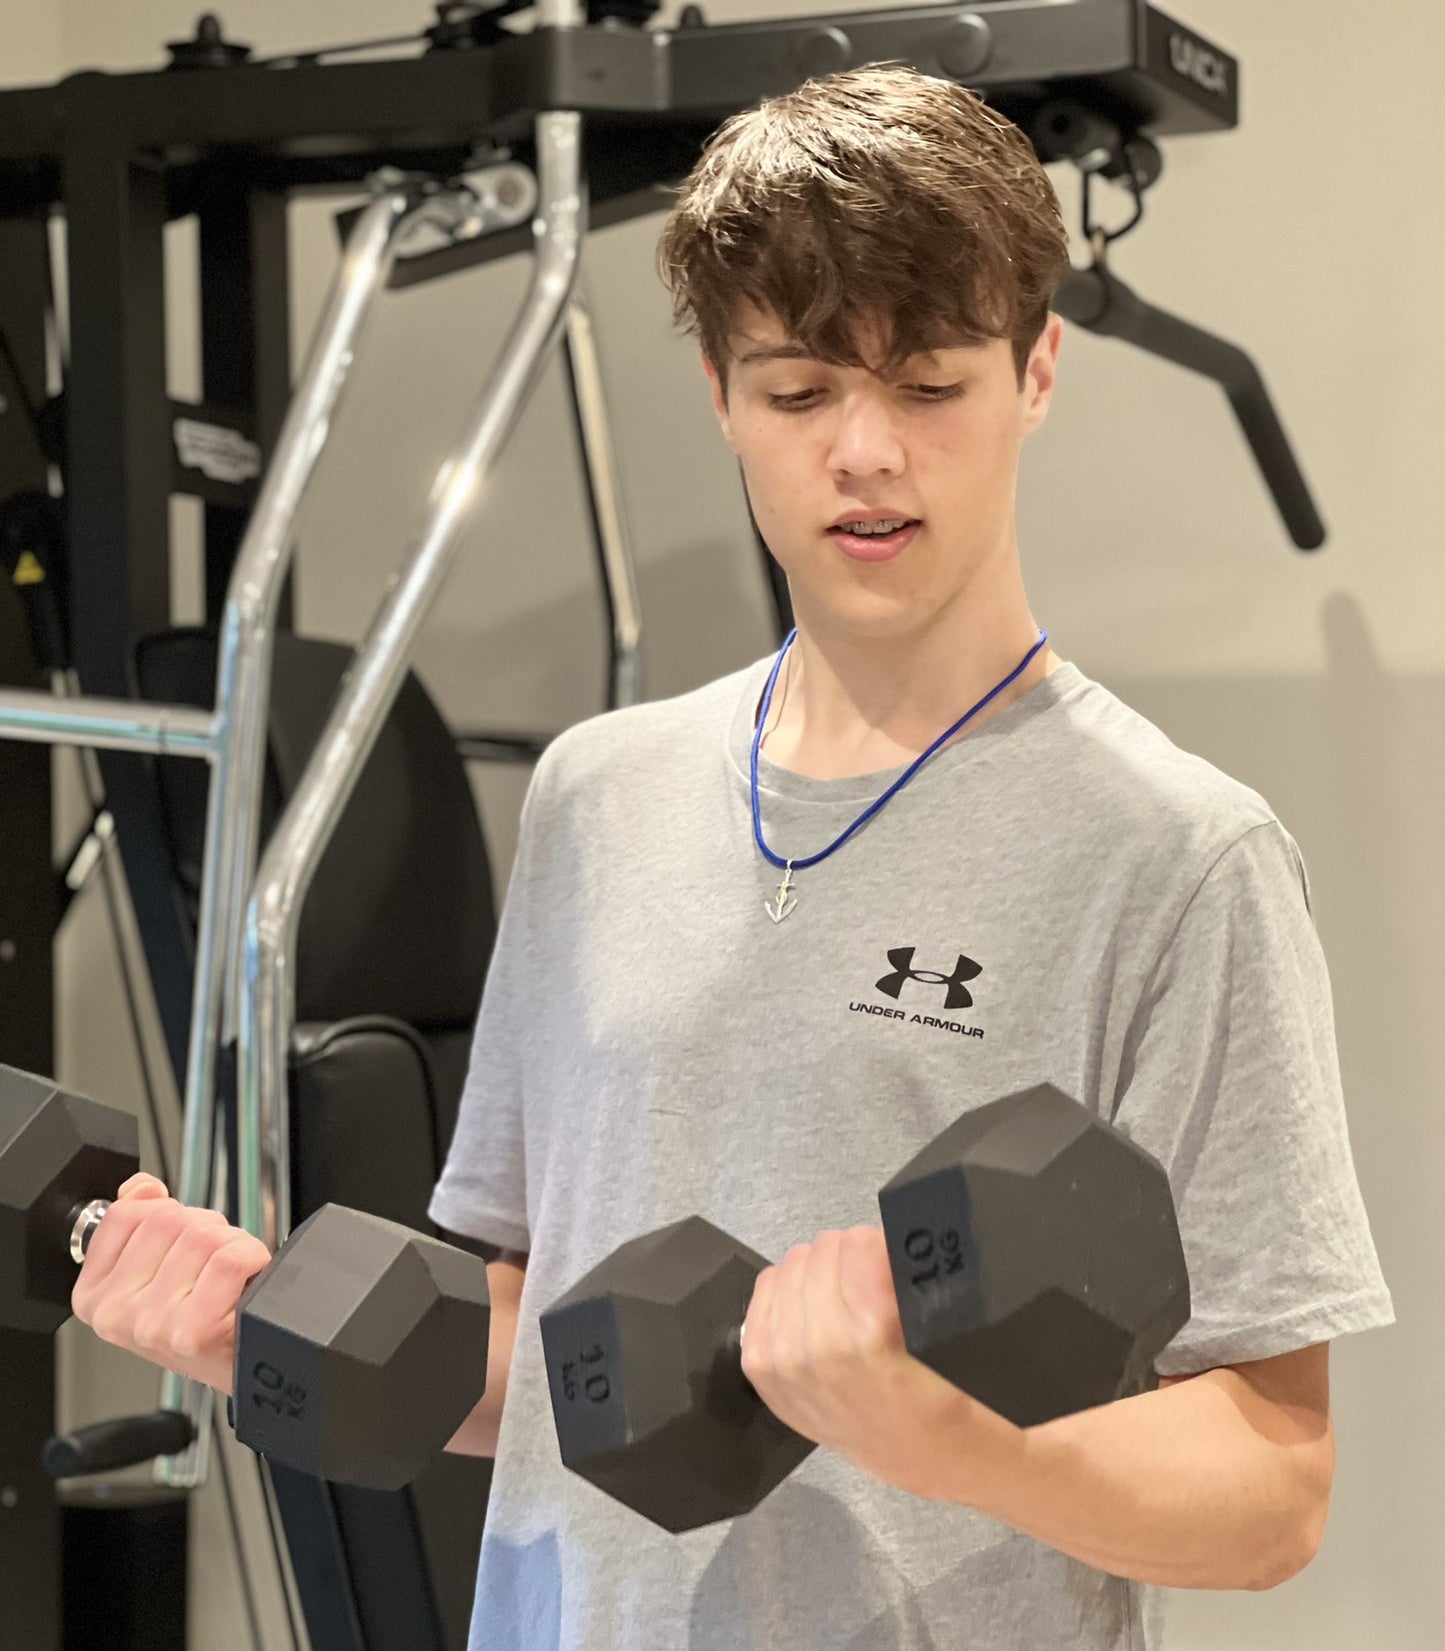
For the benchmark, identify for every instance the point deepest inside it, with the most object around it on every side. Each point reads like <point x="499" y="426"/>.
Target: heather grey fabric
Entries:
<point x="651" y="1045"/>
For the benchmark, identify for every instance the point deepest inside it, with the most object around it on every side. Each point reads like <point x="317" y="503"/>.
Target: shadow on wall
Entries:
<point x="1351" y="764"/>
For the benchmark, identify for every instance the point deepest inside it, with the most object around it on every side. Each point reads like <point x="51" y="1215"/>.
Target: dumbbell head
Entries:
<point x="648" y="1393"/>
<point x="360" y="1349"/>
<point x="57" y="1152"/>
<point x="1036" y="1257"/>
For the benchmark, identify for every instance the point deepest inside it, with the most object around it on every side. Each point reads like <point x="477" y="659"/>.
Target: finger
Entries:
<point x="133" y="1240"/>
<point x="755" y="1321"/>
<point x="866" y="1286"/>
<point x="106" y="1247"/>
<point x="819" y="1306"/>
<point x="205" y="1233"/>
<point x="145" y="1250"/>
<point x="857" y="1279"/>
<point x="205" y="1316"/>
<point x="757" y="1338"/>
<point x="785" y="1310"/>
<point x="142" y="1185"/>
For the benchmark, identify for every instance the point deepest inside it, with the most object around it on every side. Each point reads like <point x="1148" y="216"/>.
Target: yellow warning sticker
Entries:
<point x="28" y="570"/>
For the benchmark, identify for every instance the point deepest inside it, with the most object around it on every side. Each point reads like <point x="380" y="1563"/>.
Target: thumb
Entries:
<point x="142" y="1186"/>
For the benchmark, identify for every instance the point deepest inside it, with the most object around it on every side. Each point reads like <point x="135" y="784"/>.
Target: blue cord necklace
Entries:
<point x="787" y="895"/>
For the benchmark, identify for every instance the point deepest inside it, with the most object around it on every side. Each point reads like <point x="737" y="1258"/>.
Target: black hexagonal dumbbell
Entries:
<point x="360" y="1348"/>
<point x="1036" y="1257"/>
<point x="644" y="1364"/>
<point x="1037" y="1263"/>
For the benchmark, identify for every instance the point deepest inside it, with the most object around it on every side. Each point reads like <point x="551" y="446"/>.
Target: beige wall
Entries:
<point x="33" y="42"/>
<point x="1150" y="549"/>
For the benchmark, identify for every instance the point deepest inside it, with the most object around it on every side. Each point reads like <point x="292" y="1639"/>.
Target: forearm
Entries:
<point x="1192" y="1486"/>
<point x="477" y="1436"/>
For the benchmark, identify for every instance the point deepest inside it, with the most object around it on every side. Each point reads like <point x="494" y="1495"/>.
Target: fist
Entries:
<point x="823" y="1343"/>
<point x="162" y="1281"/>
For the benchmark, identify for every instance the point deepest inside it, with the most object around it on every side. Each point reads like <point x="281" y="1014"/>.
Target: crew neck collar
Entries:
<point x="973" y="745"/>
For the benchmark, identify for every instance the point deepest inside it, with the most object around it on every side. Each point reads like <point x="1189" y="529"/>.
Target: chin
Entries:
<point x="862" y="614"/>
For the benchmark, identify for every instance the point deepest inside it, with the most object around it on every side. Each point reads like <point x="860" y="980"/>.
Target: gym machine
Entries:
<point x="491" y="141"/>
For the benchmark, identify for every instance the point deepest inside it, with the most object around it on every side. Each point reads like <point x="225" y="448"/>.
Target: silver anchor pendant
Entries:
<point x="786" y="898"/>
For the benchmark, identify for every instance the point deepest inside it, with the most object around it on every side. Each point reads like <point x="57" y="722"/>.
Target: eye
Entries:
<point x="801" y="399"/>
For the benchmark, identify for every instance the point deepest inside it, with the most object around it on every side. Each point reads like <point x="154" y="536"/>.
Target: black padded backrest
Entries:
<point x="395" y="936"/>
<point x="364" y="1105"/>
<point x="400" y="918"/>
<point x="356" y="1083"/>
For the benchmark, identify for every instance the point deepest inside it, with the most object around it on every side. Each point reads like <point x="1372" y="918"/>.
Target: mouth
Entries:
<point x="868" y="546"/>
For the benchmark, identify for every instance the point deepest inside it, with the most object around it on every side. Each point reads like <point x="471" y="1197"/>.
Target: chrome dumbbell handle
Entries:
<point x="84" y="1219"/>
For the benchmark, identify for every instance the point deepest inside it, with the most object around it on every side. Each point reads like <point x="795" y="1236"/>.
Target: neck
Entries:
<point x="848" y="704"/>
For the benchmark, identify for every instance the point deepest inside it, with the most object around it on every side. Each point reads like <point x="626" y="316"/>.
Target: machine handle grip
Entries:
<point x="119" y="1443"/>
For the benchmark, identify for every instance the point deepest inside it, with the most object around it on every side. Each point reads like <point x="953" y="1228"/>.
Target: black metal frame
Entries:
<point x="30" y="1519"/>
<point x="123" y="154"/>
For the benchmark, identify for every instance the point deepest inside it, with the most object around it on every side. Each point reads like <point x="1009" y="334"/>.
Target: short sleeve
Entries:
<point x="482" y="1192"/>
<point x="1230" y="1077"/>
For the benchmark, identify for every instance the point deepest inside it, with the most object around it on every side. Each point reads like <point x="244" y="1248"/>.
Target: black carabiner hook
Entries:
<point x="1100" y="239"/>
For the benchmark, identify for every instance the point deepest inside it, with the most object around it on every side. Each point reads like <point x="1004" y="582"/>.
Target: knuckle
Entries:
<point x="118" y="1222"/>
<point x="781" y="1373"/>
<point x="237" y="1261"/>
<point x="755" y="1366"/>
<point x="155" y="1217"/>
<point x="872" y="1333"/>
<point x="885" y="1342"/>
<point x="198" y="1240"/>
<point x="147" y="1331"/>
<point x="185" y="1341"/>
<point x="168" y="1215"/>
<point x="108" y="1320"/>
<point x="244" y="1255"/>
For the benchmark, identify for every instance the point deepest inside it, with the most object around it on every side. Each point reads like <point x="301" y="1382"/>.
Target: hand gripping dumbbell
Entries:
<point x="360" y="1348"/>
<point x="1037" y="1263"/>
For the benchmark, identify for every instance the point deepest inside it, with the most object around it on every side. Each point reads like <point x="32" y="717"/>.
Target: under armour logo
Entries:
<point x="959" y="997"/>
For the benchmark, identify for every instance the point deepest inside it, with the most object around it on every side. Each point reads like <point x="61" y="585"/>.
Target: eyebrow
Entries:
<point x="776" y="352"/>
<point x="793" y="351"/>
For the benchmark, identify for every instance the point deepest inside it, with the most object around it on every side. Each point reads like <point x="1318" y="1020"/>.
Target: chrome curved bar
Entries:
<point x="604" y="490"/>
<point x="243" y="676"/>
<point x="267" y="987"/>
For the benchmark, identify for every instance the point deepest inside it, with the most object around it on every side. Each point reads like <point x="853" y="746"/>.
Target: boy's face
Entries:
<point x="937" y="443"/>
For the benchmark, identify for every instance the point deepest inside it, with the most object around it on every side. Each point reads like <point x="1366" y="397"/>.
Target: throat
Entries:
<point x="819" y="747"/>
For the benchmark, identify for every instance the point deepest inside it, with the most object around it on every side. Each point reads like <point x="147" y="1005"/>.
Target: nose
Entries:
<point x="864" y="439"/>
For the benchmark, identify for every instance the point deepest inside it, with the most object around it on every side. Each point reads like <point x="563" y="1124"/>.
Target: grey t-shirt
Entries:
<point x="652" y="1045"/>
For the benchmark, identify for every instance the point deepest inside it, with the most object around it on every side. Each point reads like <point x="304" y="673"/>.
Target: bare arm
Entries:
<point x="477" y="1436"/>
<point x="1220" y="1480"/>
<point x="1216" y="1480"/>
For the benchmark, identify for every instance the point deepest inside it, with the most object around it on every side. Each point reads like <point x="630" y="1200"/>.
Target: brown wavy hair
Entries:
<point x="879" y="194"/>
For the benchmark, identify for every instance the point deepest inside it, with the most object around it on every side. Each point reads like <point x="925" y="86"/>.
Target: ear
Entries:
<point x="719" y="400"/>
<point x="1041" y="374"/>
